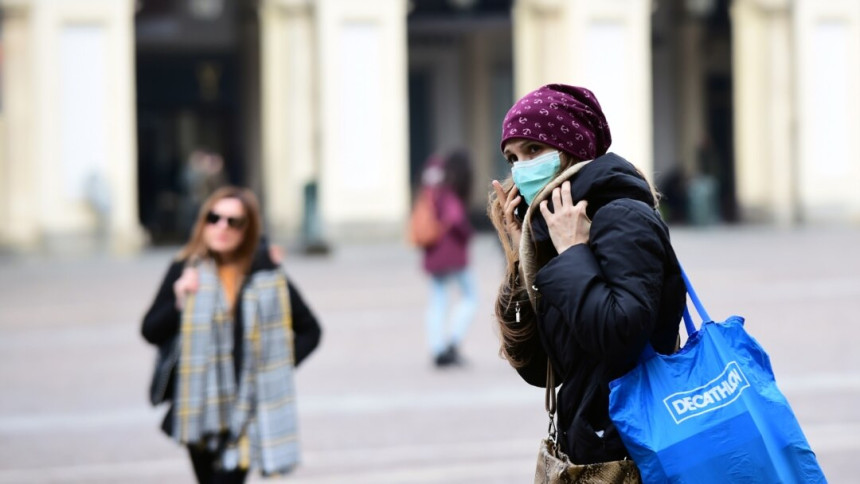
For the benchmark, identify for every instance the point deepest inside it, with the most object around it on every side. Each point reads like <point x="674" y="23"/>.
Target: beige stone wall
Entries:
<point x="797" y="94"/>
<point x="605" y="46"/>
<point x="70" y="121"/>
<point x="764" y="149"/>
<point x="290" y="121"/>
<point x="363" y="106"/>
<point x="19" y="224"/>
<point x="334" y="107"/>
<point x="4" y="178"/>
<point x="826" y="45"/>
<point x="485" y="52"/>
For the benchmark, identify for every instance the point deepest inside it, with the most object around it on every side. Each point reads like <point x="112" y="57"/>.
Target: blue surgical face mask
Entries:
<point x="531" y="176"/>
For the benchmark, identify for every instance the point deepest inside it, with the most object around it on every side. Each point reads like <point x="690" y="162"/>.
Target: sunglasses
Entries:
<point x="237" y="223"/>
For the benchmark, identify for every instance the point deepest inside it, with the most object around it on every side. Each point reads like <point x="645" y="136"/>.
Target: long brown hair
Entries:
<point x="196" y="248"/>
<point x="513" y="296"/>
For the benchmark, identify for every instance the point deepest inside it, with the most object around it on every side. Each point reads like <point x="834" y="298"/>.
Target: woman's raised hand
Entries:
<point x="509" y="202"/>
<point x="187" y="284"/>
<point x="568" y="223"/>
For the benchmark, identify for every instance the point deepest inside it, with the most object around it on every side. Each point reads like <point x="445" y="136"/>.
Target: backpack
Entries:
<point x="425" y="228"/>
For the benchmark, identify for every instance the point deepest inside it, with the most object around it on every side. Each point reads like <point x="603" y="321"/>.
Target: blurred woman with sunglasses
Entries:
<point x="239" y="329"/>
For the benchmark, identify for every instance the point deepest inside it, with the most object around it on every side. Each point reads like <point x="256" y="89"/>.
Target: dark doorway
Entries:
<point x="193" y="76"/>
<point x="460" y="85"/>
<point x="719" y="114"/>
<point x="420" y="123"/>
<point x="693" y="133"/>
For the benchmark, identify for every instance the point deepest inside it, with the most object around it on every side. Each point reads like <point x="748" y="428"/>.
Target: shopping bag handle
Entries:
<point x="688" y="320"/>
<point x="648" y="352"/>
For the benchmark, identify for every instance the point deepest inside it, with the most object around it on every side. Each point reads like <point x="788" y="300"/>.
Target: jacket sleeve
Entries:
<point x="162" y="319"/>
<point x="608" y="291"/>
<point x="534" y="372"/>
<point x="305" y="326"/>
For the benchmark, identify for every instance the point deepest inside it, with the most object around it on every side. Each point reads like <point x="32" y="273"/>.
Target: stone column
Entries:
<point x="290" y="110"/>
<point x="765" y="146"/>
<point x="18" y="198"/>
<point x="71" y="78"/>
<point x="363" y="105"/>
<point x="484" y="136"/>
<point x="826" y="46"/>
<point x="335" y="102"/>
<point x="604" y="46"/>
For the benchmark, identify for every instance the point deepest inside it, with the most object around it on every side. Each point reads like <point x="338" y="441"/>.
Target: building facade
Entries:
<point x="741" y="110"/>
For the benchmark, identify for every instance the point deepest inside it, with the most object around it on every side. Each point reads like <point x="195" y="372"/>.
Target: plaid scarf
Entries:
<point x="258" y="417"/>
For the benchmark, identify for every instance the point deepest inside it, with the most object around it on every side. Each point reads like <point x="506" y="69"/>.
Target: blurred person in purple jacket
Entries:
<point x="447" y="260"/>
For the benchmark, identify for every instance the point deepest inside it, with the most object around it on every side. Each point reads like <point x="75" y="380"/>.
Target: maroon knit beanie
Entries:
<point x="566" y="117"/>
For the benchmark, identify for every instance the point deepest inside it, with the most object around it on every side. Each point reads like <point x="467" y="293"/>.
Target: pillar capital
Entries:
<point x="771" y="6"/>
<point x="287" y="5"/>
<point x="15" y="7"/>
<point x="15" y="3"/>
<point x="540" y="6"/>
<point x="619" y="71"/>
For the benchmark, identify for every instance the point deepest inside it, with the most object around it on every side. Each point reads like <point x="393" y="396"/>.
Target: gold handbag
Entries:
<point x="554" y="467"/>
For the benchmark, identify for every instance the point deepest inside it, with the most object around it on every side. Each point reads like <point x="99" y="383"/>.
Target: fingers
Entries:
<point x="513" y="193"/>
<point x="514" y="203"/>
<point x="513" y="199"/>
<point x="500" y="192"/>
<point x="583" y="207"/>
<point x="544" y="210"/>
<point x="556" y="199"/>
<point x="508" y="201"/>
<point x="189" y="281"/>
<point x="276" y="254"/>
<point x="566" y="197"/>
<point x="568" y="224"/>
<point x="503" y="197"/>
<point x="193" y="281"/>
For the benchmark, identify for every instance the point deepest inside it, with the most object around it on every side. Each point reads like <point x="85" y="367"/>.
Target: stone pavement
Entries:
<point x="74" y="370"/>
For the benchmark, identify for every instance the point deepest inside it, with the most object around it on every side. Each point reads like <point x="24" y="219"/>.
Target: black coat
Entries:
<point x="599" y="303"/>
<point x="161" y="321"/>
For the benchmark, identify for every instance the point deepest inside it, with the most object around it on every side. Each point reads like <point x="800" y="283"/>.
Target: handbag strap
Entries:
<point x="550" y="401"/>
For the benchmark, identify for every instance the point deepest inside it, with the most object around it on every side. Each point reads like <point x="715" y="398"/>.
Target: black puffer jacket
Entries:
<point x="598" y="304"/>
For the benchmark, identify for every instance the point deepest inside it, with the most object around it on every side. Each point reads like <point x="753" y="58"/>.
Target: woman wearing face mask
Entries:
<point x="591" y="275"/>
<point x="240" y="329"/>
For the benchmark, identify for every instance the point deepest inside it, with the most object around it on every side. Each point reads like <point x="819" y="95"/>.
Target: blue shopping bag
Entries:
<point x="710" y="413"/>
